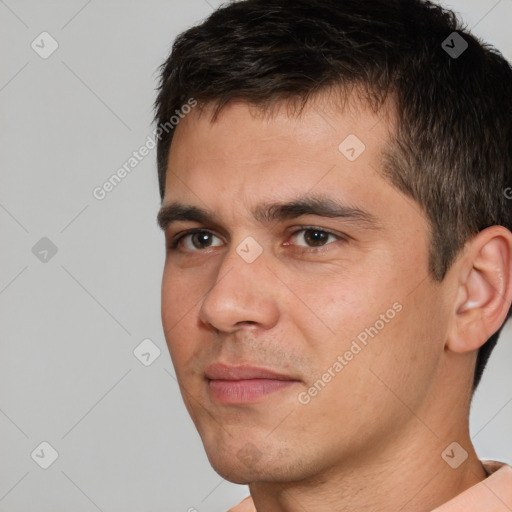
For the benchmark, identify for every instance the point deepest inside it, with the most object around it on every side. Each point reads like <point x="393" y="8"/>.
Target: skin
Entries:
<point x="372" y="439"/>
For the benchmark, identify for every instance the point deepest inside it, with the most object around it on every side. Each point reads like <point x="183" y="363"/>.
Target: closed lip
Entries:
<point x="219" y="371"/>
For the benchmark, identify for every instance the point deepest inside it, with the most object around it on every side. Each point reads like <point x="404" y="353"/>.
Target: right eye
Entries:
<point x="196" y="240"/>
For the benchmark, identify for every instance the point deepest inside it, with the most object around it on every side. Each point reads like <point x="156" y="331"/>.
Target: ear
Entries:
<point x="484" y="290"/>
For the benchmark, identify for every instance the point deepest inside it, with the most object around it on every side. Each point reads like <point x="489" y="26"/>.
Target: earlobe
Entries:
<point x="485" y="290"/>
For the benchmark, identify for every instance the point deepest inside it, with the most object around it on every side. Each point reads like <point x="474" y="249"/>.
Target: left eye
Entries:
<point x="311" y="237"/>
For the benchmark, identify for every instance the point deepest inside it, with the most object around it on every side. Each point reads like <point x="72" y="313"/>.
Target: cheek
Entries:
<point x="178" y="300"/>
<point x="405" y="355"/>
<point x="373" y="321"/>
<point x="341" y="306"/>
<point x="181" y="290"/>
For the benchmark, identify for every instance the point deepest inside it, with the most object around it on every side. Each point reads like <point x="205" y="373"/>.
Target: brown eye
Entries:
<point x="311" y="237"/>
<point x="198" y="240"/>
<point x="315" y="238"/>
<point x="201" y="239"/>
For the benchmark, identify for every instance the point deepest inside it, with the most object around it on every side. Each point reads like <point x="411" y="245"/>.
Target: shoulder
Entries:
<point x="245" y="506"/>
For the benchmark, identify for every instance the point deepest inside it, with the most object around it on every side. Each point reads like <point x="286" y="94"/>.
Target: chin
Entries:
<point x="235" y="471"/>
<point x="247" y="464"/>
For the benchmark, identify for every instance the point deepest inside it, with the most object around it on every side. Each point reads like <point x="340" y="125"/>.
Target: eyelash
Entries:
<point x="175" y="242"/>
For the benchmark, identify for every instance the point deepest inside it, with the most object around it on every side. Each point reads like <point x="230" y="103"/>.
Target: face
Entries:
<point x="296" y="300"/>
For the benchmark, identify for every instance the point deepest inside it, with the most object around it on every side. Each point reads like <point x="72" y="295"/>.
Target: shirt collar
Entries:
<point x="494" y="494"/>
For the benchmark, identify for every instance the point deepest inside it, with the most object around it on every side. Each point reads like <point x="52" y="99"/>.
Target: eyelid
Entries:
<point x="340" y="236"/>
<point x="178" y="237"/>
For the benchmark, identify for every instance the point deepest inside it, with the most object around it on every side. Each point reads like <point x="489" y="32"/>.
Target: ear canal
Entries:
<point x="479" y="292"/>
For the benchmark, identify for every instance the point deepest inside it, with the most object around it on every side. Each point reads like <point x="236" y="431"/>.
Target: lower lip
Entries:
<point x="245" y="391"/>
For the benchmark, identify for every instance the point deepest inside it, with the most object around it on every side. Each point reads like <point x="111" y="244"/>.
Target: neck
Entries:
<point x="409" y="475"/>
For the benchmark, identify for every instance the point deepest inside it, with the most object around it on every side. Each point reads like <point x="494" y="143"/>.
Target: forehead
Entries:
<point x="287" y="146"/>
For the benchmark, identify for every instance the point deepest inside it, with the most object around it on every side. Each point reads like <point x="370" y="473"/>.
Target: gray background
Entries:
<point x="69" y="326"/>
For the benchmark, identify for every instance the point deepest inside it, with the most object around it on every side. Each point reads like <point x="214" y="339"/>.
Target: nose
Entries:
<point x="243" y="294"/>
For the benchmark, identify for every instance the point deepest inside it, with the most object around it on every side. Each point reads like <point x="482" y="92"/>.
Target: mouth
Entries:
<point x="244" y="384"/>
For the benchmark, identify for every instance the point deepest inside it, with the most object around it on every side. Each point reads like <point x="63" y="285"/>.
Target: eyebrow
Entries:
<point x="267" y="213"/>
<point x="177" y="211"/>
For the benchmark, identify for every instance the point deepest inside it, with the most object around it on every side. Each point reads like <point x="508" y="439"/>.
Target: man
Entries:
<point x="339" y="249"/>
